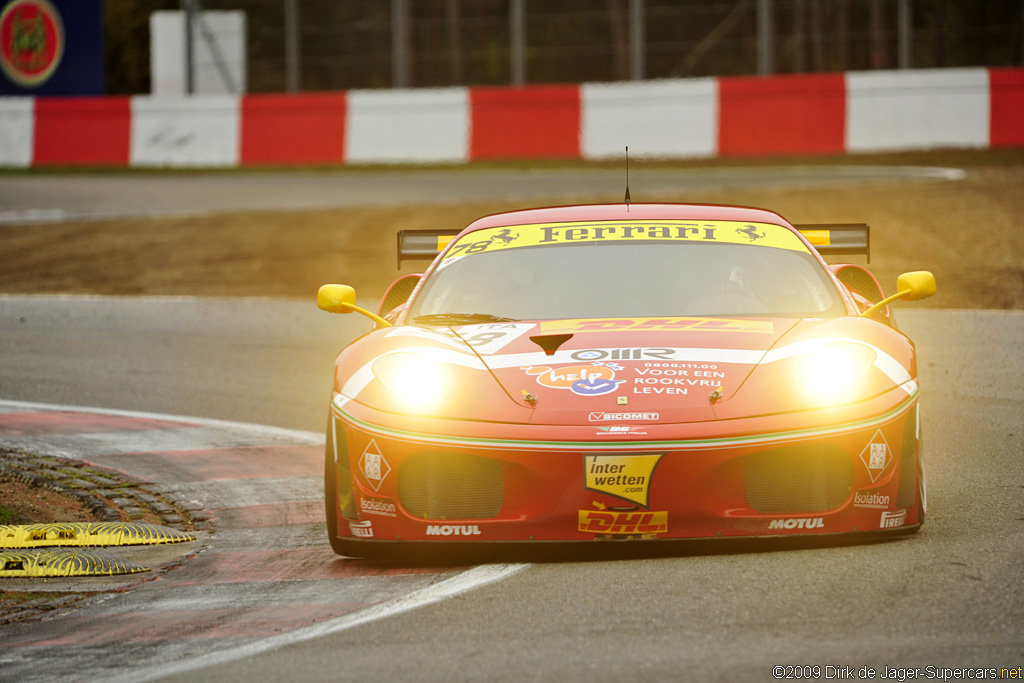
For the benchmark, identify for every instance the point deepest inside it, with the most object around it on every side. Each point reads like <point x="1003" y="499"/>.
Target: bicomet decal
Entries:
<point x="623" y="476"/>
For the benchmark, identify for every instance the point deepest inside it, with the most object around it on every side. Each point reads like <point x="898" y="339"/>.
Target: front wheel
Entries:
<point x="340" y="545"/>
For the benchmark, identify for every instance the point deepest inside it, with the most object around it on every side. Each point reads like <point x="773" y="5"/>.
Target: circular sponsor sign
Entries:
<point x="31" y="41"/>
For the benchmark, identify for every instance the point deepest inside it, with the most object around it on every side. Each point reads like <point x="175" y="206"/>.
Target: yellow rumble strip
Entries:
<point x="61" y="563"/>
<point x="84" y="534"/>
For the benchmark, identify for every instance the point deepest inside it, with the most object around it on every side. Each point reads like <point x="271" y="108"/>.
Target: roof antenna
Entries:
<point x="627" y="177"/>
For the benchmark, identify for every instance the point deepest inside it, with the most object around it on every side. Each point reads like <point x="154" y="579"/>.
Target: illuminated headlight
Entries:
<point x="415" y="381"/>
<point x="835" y="373"/>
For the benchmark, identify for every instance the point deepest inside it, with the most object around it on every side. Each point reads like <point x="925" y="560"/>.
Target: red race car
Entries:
<point x="629" y="371"/>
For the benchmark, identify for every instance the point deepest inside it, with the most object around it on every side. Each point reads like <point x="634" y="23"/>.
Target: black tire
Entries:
<point x="920" y="490"/>
<point x="340" y="546"/>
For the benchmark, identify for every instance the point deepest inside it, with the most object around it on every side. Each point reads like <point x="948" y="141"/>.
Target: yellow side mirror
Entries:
<point x="342" y="299"/>
<point x="918" y="284"/>
<point x="336" y="298"/>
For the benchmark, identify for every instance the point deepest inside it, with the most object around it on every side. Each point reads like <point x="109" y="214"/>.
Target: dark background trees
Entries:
<point x="347" y="44"/>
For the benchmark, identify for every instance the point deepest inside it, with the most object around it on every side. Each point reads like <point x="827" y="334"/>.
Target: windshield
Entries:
<point x="618" y="278"/>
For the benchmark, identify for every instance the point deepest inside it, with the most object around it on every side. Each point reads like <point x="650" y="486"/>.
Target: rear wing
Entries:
<point x="828" y="238"/>
<point x="422" y="245"/>
<point x="831" y="239"/>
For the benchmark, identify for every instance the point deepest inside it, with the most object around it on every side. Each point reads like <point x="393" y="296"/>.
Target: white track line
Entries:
<point x="456" y="585"/>
<point x="303" y="437"/>
<point x="460" y="583"/>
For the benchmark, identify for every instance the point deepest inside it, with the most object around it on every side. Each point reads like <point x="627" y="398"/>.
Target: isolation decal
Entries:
<point x="870" y="500"/>
<point x="623" y="476"/>
<point x="378" y="506"/>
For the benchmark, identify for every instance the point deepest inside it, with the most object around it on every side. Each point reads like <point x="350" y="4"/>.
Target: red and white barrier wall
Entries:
<point x="707" y="117"/>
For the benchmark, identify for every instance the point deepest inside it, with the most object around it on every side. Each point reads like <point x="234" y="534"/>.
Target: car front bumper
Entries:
<point x="415" y="479"/>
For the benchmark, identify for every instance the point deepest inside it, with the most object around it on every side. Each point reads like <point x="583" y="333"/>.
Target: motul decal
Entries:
<point x="812" y="523"/>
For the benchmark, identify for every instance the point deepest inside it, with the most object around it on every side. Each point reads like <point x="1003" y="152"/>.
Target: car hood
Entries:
<point x="659" y="370"/>
<point x="674" y="370"/>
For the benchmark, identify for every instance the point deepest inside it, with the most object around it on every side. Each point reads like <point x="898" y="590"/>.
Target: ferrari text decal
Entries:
<point x="673" y="324"/>
<point x="614" y="522"/>
<point x="374" y="467"/>
<point x="720" y="232"/>
<point x="876" y="456"/>
<point x="595" y="379"/>
<point x="623" y="476"/>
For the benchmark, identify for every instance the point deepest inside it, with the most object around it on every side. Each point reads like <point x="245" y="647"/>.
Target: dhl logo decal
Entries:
<point x="613" y="522"/>
<point x="653" y="324"/>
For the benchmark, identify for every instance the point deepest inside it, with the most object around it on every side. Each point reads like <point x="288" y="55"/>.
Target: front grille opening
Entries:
<point x="798" y="479"/>
<point x="443" y="486"/>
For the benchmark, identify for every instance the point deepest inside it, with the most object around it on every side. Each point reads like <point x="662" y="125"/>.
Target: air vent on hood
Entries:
<point x="550" y="342"/>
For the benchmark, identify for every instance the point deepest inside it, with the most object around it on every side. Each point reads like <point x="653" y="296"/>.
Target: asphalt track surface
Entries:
<point x="50" y="197"/>
<point x="950" y="596"/>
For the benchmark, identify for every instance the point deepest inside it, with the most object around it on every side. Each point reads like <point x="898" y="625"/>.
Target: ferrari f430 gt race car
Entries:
<point x="630" y="371"/>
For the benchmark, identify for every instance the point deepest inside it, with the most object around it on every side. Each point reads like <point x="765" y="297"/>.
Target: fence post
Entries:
<point x="637" y="40"/>
<point x="905" y="28"/>
<point x="190" y="11"/>
<point x="517" y="38"/>
<point x="764" y="37"/>
<point x="399" y="44"/>
<point x="292" y="51"/>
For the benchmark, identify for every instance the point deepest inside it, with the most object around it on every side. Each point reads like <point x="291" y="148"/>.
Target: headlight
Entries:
<point x="834" y="374"/>
<point x="415" y="381"/>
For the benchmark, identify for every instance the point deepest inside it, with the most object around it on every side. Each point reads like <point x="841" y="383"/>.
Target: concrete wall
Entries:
<point x="686" y="118"/>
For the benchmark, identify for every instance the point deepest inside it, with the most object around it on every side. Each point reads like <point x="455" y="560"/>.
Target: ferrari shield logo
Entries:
<point x="876" y="456"/>
<point x="373" y="465"/>
<point x="624" y="476"/>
